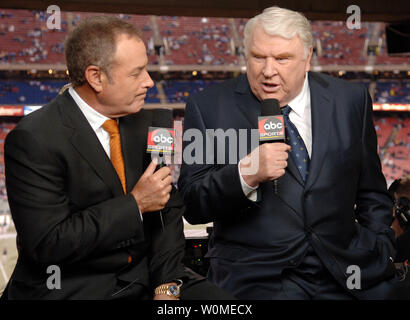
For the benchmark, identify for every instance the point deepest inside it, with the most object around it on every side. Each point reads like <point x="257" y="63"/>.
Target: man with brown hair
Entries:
<point x="82" y="191"/>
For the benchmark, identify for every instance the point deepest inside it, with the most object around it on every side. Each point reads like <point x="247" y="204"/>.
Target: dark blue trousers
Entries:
<point x="310" y="280"/>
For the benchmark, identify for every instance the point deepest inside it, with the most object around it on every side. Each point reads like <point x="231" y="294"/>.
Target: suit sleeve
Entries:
<point x="167" y="248"/>
<point x="373" y="203"/>
<point x="49" y="232"/>
<point x="210" y="191"/>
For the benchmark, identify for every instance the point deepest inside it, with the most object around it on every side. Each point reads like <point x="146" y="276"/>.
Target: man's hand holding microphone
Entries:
<point x="153" y="189"/>
<point x="271" y="158"/>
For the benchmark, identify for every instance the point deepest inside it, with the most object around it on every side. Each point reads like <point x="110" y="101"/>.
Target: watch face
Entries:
<point x="174" y="290"/>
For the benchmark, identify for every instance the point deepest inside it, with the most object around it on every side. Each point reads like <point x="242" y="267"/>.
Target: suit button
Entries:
<point x="292" y="262"/>
<point x="307" y="194"/>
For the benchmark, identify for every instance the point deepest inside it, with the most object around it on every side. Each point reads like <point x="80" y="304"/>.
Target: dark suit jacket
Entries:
<point x="343" y="210"/>
<point x="70" y="211"/>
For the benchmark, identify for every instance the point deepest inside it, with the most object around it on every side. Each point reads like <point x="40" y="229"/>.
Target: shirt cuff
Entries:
<point x="250" y="192"/>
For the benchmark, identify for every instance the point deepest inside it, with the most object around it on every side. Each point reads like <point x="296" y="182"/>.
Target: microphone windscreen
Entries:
<point x="161" y="135"/>
<point x="270" y="107"/>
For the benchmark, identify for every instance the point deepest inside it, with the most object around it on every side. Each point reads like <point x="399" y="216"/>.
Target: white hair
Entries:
<point x="281" y="22"/>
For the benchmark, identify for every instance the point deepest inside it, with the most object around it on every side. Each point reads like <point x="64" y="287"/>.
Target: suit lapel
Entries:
<point x="133" y="130"/>
<point x="248" y="105"/>
<point x="322" y="108"/>
<point x="85" y="141"/>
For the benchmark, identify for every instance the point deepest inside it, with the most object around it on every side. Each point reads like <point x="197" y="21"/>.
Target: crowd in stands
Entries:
<point x="36" y="92"/>
<point x="29" y="40"/>
<point x="29" y="92"/>
<point x="392" y="92"/>
<point x="187" y="40"/>
<point x="338" y="44"/>
<point x="393" y="135"/>
<point x="5" y="127"/>
<point x="193" y="40"/>
<point x="178" y="91"/>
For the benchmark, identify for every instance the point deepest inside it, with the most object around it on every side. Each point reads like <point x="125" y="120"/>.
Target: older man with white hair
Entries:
<point x="323" y="231"/>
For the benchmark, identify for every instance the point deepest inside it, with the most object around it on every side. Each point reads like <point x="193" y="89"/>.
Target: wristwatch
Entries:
<point x="171" y="290"/>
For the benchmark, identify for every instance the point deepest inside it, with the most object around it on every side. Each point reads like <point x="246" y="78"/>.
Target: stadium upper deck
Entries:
<point x="25" y="39"/>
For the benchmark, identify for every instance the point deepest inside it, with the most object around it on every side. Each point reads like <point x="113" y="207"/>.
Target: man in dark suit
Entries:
<point x="84" y="195"/>
<point x="322" y="229"/>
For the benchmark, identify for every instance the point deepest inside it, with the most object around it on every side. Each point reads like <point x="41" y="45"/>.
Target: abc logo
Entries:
<point x="162" y="137"/>
<point x="273" y="124"/>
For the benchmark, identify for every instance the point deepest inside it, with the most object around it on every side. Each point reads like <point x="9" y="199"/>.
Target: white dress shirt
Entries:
<point x="300" y="115"/>
<point x="95" y="119"/>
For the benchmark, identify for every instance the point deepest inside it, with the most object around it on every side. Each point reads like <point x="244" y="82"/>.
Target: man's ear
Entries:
<point x="94" y="77"/>
<point x="309" y="57"/>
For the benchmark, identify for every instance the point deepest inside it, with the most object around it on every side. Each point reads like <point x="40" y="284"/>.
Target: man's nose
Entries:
<point x="269" y="69"/>
<point x="148" y="83"/>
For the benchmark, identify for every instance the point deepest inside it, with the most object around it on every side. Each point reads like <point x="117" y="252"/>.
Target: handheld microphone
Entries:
<point x="271" y="126"/>
<point x="160" y="140"/>
<point x="161" y="136"/>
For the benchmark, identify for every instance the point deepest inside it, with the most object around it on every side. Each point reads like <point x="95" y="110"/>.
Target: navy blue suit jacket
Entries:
<point x="343" y="210"/>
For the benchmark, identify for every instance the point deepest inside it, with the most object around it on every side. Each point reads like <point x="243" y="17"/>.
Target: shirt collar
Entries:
<point x="94" y="118"/>
<point x="301" y="101"/>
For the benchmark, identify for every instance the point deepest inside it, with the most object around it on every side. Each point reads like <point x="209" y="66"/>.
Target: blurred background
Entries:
<point x="194" y="45"/>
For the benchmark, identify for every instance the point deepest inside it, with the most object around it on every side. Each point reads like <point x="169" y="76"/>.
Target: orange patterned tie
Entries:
<point x="111" y="126"/>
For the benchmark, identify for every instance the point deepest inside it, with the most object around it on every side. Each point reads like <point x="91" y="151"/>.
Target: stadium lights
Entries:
<point x="194" y="73"/>
<point x="50" y="71"/>
<point x="391" y="107"/>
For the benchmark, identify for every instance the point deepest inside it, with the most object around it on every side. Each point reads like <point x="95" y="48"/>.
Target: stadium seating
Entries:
<point x="339" y="44"/>
<point x="394" y="146"/>
<point x="5" y="127"/>
<point x="189" y="40"/>
<point x="41" y="92"/>
<point x="178" y="91"/>
<point x="193" y="40"/>
<point x="392" y="92"/>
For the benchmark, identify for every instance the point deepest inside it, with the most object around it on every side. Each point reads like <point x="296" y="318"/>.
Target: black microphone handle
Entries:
<point x="161" y="165"/>
<point x="275" y="182"/>
<point x="270" y="107"/>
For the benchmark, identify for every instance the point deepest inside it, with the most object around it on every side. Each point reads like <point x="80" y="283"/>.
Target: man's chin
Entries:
<point x="130" y="110"/>
<point x="136" y="108"/>
<point x="275" y="95"/>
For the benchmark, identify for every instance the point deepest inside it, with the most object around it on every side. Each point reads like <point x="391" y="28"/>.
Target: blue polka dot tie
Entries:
<point x="298" y="152"/>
